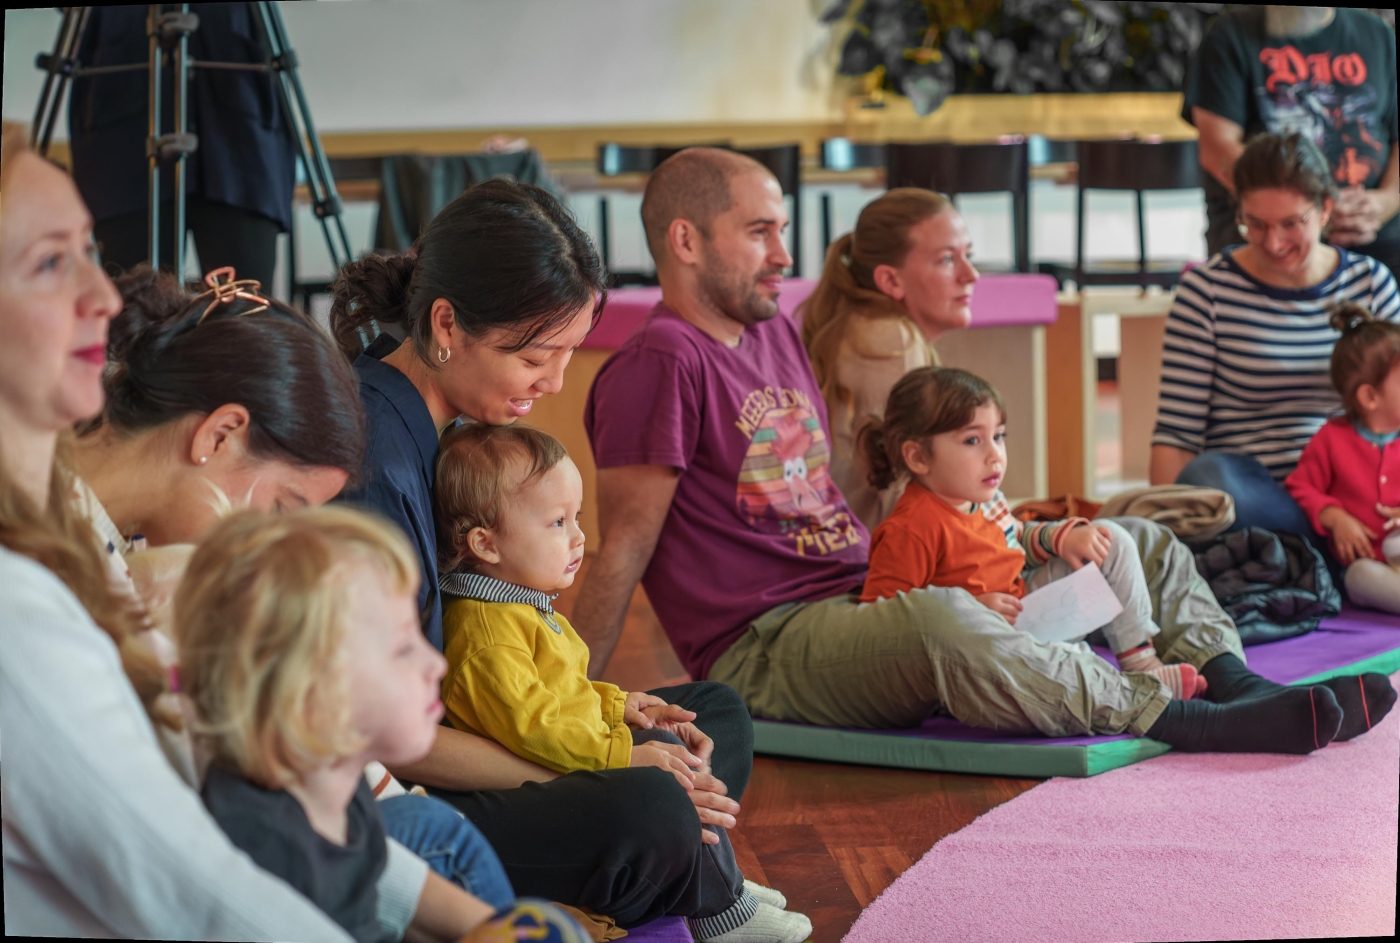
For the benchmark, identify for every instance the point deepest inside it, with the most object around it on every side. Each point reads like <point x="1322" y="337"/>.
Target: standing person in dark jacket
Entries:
<point x="240" y="180"/>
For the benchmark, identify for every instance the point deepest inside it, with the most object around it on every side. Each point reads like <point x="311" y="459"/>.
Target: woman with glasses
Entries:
<point x="1244" y="368"/>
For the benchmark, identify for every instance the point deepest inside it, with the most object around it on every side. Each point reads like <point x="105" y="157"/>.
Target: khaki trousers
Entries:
<point x="889" y="664"/>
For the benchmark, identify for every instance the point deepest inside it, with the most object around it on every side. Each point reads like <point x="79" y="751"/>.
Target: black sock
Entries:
<point x="1293" y="720"/>
<point x="1230" y="681"/>
<point x="1364" y="698"/>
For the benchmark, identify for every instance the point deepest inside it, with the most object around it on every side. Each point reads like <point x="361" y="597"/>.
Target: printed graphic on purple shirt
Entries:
<point x="785" y="486"/>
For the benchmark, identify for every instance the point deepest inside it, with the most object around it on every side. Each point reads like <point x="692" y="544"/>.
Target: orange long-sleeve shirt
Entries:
<point x="927" y="542"/>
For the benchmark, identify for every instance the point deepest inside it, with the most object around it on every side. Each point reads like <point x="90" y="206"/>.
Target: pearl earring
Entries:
<point x="203" y="459"/>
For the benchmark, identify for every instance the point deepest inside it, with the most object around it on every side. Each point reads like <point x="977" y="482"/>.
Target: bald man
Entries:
<point x="710" y="436"/>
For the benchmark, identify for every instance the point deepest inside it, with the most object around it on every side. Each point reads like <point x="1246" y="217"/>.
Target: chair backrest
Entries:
<point x="784" y="161"/>
<point x="958" y="168"/>
<point x="414" y="187"/>
<point x="1138" y="165"/>
<point x="614" y="159"/>
<point x="845" y="154"/>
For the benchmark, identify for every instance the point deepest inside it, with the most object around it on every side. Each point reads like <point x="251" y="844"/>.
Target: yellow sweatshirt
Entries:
<point x="516" y="678"/>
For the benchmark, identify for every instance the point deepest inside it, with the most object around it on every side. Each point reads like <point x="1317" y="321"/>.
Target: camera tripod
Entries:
<point x="169" y="31"/>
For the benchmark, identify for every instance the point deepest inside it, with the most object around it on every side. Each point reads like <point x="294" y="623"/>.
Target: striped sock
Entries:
<point x="1183" y="680"/>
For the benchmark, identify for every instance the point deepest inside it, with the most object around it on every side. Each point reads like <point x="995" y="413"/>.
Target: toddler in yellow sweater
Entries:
<point x="506" y="506"/>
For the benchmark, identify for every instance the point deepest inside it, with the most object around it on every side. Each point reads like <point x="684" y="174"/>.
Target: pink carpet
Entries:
<point x="1179" y="847"/>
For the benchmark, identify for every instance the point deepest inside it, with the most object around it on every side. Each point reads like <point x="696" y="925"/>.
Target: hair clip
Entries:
<point x="231" y="287"/>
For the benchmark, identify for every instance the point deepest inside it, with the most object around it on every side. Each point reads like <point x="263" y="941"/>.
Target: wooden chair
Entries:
<point x="1138" y="166"/>
<point x="969" y="168"/>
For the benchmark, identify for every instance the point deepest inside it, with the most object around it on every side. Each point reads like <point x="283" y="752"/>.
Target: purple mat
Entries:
<point x="1351" y="637"/>
<point x="665" y="930"/>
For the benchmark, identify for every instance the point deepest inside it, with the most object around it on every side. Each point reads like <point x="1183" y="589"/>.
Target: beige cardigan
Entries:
<point x="874" y="353"/>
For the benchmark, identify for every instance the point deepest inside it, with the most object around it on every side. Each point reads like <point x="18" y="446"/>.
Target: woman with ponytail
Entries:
<point x="890" y="288"/>
<point x="101" y="836"/>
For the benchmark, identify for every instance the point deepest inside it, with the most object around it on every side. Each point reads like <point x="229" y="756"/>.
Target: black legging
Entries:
<point x="223" y="235"/>
<point x="622" y="842"/>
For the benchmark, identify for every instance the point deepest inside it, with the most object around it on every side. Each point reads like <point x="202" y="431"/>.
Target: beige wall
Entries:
<point x="407" y="64"/>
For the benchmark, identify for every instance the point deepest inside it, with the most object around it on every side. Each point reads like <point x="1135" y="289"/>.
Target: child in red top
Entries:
<point x="952" y="526"/>
<point x="1348" y="479"/>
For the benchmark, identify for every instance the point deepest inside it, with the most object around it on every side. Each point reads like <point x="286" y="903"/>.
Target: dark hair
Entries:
<point x="1365" y="353"/>
<point x="165" y="362"/>
<point x="1284" y="162"/>
<point x="473" y="465"/>
<point x="926" y="402"/>
<point x="503" y="254"/>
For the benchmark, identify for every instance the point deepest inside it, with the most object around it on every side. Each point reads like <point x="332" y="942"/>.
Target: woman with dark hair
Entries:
<point x="231" y="399"/>
<point x="1245" y="380"/>
<point x="492" y="300"/>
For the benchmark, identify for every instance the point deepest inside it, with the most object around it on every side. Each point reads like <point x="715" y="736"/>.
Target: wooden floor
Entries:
<point x="830" y="837"/>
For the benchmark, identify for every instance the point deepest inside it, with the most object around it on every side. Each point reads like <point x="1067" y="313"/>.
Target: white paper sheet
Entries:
<point x="1069" y="608"/>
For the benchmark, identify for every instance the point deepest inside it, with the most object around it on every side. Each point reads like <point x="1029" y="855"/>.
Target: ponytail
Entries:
<point x="373" y="290"/>
<point x="870" y="440"/>
<point x="1365" y="353"/>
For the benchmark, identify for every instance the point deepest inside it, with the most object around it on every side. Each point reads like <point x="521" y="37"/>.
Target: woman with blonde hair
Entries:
<point x="101" y="836"/>
<point x="889" y="289"/>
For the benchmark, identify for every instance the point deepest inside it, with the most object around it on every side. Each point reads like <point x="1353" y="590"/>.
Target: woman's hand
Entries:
<point x="1003" y="604"/>
<point x="695" y="740"/>
<point x="674" y="759"/>
<point x="1085" y="543"/>
<point x="713" y="805"/>
<point x="1352" y="538"/>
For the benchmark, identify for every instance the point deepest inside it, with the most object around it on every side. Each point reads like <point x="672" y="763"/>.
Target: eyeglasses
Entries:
<point x="1259" y="230"/>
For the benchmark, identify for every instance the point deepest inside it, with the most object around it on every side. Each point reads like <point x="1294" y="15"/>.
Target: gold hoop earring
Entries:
<point x="444" y="354"/>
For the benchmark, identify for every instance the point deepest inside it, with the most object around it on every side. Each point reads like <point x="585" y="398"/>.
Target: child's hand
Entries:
<point x="1351" y="537"/>
<point x="667" y="716"/>
<point x="1085" y="543"/>
<point x="633" y="707"/>
<point x="676" y="760"/>
<point x="1392" y="516"/>
<point x="1003" y="604"/>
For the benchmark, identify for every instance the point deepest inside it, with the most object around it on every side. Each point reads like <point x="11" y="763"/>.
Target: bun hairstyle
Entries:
<point x="926" y="402"/>
<point x="1284" y="162"/>
<point x="477" y="466"/>
<point x="847" y="287"/>
<point x="167" y="360"/>
<point x="1365" y="353"/>
<point x="503" y="254"/>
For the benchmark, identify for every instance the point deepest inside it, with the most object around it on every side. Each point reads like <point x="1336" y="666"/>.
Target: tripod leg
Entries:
<point x="57" y="66"/>
<point x="153" y="134"/>
<point x="313" y="156"/>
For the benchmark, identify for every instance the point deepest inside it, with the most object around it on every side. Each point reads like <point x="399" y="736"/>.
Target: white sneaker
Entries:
<point x="771" y="895"/>
<point x="767" y="925"/>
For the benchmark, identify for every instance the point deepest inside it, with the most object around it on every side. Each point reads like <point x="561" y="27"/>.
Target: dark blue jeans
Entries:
<point x="1259" y="500"/>
<point x="450" y="843"/>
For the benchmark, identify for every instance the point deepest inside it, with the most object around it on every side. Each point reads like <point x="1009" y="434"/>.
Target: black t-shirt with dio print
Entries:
<point x="1336" y="85"/>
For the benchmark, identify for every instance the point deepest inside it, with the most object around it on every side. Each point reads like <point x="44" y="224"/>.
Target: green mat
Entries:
<point x="946" y="745"/>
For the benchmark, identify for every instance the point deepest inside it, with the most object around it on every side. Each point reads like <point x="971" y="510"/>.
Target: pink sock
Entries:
<point x="1184" y="681"/>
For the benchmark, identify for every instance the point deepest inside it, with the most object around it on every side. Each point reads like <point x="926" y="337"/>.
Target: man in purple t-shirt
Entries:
<point x="710" y="436"/>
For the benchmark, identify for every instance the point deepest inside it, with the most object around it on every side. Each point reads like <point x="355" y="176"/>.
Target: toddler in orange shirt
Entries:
<point x="952" y="527"/>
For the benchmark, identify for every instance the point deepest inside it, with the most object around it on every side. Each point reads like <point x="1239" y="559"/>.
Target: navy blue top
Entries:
<point x="246" y="157"/>
<point x="400" y="455"/>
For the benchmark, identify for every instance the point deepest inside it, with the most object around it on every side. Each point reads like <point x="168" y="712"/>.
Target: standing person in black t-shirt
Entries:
<point x="1326" y="72"/>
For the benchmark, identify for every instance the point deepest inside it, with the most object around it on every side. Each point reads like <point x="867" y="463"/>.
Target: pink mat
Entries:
<point x="1179" y="847"/>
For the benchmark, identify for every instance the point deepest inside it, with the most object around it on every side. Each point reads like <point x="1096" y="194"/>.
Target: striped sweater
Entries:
<point x="1245" y="365"/>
